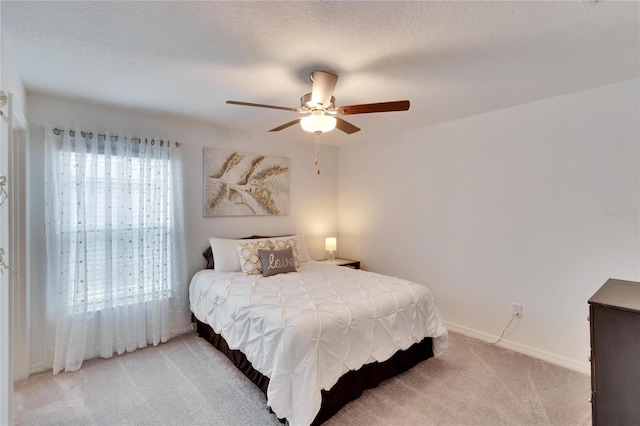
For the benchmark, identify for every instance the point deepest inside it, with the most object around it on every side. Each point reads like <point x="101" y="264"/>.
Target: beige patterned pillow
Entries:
<point x="249" y="256"/>
<point x="284" y="243"/>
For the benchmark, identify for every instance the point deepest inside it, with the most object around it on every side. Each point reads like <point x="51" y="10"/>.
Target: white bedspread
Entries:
<point x="304" y="330"/>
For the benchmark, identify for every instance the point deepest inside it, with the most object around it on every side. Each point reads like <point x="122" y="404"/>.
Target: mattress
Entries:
<point x="304" y="330"/>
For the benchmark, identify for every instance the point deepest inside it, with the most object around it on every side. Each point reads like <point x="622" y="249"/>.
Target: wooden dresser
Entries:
<point x="615" y="353"/>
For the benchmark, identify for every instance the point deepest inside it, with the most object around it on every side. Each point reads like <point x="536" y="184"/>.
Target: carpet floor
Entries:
<point x="187" y="382"/>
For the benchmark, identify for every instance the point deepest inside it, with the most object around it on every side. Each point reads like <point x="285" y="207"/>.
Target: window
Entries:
<point x="123" y="235"/>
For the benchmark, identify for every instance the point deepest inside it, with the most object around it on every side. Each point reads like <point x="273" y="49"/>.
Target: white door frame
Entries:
<point x="6" y="295"/>
<point x="19" y="282"/>
<point x="14" y="291"/>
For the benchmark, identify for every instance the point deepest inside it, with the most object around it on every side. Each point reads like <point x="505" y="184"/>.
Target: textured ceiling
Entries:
<point x="451" y="59"/>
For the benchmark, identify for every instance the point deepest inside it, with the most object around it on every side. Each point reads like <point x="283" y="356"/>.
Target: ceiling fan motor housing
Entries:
<point x="307" y="104"/>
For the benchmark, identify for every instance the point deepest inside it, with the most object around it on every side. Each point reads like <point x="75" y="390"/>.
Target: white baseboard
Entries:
<point x="581" y="367"/>
<point x="38" y="368"/>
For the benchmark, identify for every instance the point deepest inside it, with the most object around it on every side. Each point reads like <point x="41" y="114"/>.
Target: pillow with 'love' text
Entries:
<point x="277" y="261"/>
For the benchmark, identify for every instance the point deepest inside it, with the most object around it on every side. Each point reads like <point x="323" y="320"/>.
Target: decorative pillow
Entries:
<point x="288" y="242"/>
<point x="277" y="261"/>
<point x="249" y="256"/>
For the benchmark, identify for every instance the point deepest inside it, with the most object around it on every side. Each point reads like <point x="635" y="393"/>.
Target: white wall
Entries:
<point x="11" y="82"/>
<point x="314" y="209"/>
<point x="535" y="204"/>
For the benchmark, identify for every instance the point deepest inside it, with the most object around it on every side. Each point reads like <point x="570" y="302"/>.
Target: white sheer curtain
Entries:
<point x="116" y="278"/>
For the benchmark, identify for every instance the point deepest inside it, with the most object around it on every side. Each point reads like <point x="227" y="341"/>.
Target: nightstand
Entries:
<point x="355" y="264"/>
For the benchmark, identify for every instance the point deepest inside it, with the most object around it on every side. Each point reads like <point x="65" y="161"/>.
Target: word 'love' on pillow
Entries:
<point x="277" y="261"/>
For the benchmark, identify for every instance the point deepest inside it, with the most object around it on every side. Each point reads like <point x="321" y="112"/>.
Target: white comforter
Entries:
<point x="304" y="330"/>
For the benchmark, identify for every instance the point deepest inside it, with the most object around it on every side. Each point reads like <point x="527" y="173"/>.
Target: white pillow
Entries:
<point x="302" y="249"/>
<point x="225" y="255"/>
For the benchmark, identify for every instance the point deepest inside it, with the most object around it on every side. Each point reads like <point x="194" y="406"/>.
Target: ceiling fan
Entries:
<point x="319" y="107"/>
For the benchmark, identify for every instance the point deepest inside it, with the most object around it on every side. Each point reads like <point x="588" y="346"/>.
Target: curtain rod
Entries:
<point x="72" y="133"/>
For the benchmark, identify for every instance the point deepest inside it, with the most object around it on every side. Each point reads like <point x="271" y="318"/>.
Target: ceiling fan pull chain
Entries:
<point x="317" y="150"/>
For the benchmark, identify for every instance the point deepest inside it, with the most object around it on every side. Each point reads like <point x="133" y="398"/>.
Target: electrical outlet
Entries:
<point x="516" y="310"/>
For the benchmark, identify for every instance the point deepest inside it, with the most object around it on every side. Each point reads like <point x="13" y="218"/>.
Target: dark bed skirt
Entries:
<point x="349" y="387"/>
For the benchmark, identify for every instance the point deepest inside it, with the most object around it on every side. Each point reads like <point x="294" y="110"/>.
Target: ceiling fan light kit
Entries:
<point x="317" y="122"/>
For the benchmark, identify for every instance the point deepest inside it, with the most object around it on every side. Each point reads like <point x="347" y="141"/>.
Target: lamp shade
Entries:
<point x="318" y="123"/>
<point x="330" y="244"/>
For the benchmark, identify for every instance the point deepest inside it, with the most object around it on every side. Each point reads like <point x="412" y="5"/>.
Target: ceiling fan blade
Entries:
<point x="345" y="126"/>
<point x="284" y="126"/>
<point x="377" y="107"/>
<point x="263" y="106"/>
<point x="323" y="85"/>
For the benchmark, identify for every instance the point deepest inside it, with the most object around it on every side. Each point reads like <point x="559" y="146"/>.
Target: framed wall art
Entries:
<point x="241" y="184"/>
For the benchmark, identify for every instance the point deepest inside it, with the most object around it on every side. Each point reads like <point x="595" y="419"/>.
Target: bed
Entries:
<point x="314" y="339"/>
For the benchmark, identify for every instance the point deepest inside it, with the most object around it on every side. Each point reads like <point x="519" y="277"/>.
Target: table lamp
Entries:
<point x="331" y="245"/>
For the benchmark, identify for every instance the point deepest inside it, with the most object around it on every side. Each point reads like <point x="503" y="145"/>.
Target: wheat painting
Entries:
<point x="238" y="184"/>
